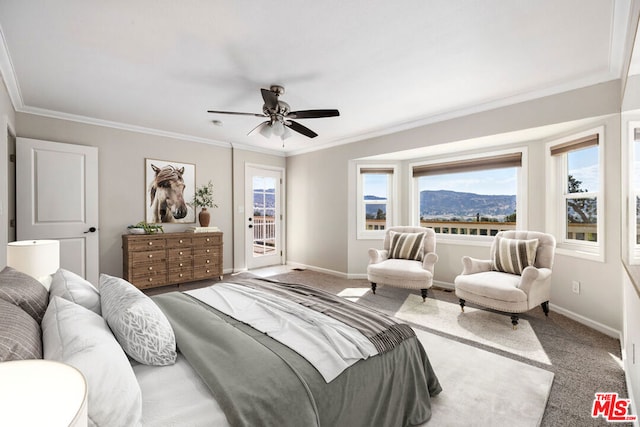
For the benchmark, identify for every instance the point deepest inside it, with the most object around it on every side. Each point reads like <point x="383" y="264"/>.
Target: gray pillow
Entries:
<point x="19" y="334"/>
<point x="68" y="285"/>
<point x="514" y="255"/>
<point x="141" y="328"/>
<point x="24" y="291"/>
<point x="76" y="336"/>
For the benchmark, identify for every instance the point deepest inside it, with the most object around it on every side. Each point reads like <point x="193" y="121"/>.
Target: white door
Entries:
<point x="57" y="198"/>
<point x="263" y="216"/>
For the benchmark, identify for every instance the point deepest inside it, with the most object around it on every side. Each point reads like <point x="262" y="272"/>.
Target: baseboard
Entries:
<point x="445" y="285"/>
<point x="318" y="269"/>
<point x="357" y="276"/>
<point x="613" y="333"/>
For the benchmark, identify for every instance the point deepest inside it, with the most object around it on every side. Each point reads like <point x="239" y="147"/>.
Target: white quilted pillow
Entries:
<point x="138" y="324"/>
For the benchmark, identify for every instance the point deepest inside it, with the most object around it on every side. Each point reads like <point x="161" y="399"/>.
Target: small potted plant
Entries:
<point x="204" y="199"/>
<point x="143" y="227"/>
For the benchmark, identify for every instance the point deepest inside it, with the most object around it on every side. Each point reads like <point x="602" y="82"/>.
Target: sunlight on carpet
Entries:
<point x="353" y="294"/>
<point x="481" y="326"/>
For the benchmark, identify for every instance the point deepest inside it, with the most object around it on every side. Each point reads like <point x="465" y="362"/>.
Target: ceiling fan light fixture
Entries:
<point x="286" y="134"/>
<point x="278" y="127"/>
<point x="266" y="130"/>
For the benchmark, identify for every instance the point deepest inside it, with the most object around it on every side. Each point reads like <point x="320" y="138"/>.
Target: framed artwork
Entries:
<point x="169" y="190"/>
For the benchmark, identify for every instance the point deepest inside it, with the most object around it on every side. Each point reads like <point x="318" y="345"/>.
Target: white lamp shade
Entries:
<point x="37" y="258"/>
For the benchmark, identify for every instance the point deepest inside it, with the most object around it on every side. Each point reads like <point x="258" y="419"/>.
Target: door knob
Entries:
<point x="91" y="230"/>
<point x="250" y="225"/>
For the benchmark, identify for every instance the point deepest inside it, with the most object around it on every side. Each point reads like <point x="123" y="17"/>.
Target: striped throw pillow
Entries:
<point x="406" y="245"/>
<point x="514" y="255"/>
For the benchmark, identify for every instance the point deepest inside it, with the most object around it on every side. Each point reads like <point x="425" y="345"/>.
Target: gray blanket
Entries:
<point x="259" y="382"/>
<point x="383" y="331"/>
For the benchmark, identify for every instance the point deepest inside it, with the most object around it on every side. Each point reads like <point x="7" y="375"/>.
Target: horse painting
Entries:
<point x="167" y="194"/>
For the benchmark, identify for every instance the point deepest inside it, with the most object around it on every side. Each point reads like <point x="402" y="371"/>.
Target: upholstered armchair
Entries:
<point x="406" y="260"/>
<point x="516" y="279"/>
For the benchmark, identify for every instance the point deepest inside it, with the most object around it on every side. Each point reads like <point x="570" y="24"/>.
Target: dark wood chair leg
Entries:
<point x="373" y="288"/>
<point x="423" y="292"/>
<point x="462" y="304"/>
<point x="545" y="308"/>
<point x="514" y="320"/>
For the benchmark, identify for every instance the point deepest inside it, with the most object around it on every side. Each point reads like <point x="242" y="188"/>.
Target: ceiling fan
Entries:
<point x="279" y="116"/>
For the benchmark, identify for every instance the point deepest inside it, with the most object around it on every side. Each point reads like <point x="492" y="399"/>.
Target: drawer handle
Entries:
<point x="208" y="251"/>
<point x="180" y="264"/>
<point x="208" y="261"/>
<point x="150" y="255"/>
<point x="208" y="271"/>
<point x="180" y="253"/>
<point x="151" y="279"/>
<point x="180" y="241"/>
<point x="208" y="239"/>
<point x="150" y="268"/>
<point x="150" y="243"/>
<point x="180" y="274"/>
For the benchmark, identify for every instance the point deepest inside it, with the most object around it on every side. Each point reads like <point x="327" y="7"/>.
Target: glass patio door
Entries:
<point x="263" y="216"/>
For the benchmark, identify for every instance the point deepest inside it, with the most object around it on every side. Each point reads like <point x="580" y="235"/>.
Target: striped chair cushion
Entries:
<point x="406" y="245"/>
<point x="514" y="255"/>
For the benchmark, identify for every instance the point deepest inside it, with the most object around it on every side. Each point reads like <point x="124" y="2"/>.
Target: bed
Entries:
<point x="242" y="353"/>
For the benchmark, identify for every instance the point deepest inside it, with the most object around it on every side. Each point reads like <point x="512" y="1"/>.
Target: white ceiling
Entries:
<point x="158" y="65"/>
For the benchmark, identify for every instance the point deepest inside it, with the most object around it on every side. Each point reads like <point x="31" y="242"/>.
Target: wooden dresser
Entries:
<point x="151" y="260"/>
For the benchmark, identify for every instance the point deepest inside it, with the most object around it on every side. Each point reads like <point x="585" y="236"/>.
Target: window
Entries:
<point x="634" y="192"/>
<point x="469" y="197"/>
<point x="375" y="200"/>
<point x="576" y="199"/>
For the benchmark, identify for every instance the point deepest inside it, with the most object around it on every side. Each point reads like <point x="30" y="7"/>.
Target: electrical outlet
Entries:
<point x="575" y="287"/>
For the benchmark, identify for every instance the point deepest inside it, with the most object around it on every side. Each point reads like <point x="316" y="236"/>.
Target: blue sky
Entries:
<point x="583" y="165"/>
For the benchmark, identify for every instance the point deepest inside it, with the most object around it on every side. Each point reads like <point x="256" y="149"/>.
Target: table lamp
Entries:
<point x="37" y="258"/>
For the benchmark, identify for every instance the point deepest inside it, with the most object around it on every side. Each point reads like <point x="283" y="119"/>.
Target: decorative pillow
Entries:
<point x="70" y="286"/>
<point x="139" y="325"/>
<point x="406" y="245"/>
<point x="19" y="334"/>
<point x="74" y="335"/>
<point x="514" y="255"/>
<point x="24" y="291"/>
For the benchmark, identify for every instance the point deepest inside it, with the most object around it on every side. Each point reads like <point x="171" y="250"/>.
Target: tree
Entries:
<point x="580" y="210"/>
<point x="510" y="218"/>
<point x="381" y="214"/>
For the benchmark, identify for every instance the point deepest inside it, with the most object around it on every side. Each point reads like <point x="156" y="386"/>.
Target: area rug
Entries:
<point x="481" y="326"/>
<point x="480" y="388"/>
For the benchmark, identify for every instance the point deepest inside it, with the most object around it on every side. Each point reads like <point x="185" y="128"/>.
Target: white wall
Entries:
<point x="7" y="120"/>
<point x="321" y="226"/>
<point x="122" y="180"/>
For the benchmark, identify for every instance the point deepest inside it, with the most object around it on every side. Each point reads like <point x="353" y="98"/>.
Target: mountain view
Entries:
<point x="446" y="205"/>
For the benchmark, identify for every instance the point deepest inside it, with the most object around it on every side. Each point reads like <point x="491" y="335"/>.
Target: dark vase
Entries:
<point x="204" y="217"/>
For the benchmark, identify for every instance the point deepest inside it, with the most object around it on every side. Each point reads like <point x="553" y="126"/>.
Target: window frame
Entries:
<point x="633" y="193"/>
<point x="557" y="195"/>
<point x="392" y="200"/>
<point x="468" y="239"/>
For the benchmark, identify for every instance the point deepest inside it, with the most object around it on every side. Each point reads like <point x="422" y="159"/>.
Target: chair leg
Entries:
<point x="514" y="320"/>
<point x="423" y="292"/>
<point x="462" y="304"/>
<point x="373" y="288"/>
<point x="545" y="308"/>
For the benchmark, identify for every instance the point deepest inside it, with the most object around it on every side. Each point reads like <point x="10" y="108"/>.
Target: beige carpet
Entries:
<point x="483" y="389"/>
<point x="481" y="326"/>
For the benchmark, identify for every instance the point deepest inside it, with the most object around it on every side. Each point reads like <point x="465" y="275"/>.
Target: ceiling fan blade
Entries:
<point x="300" y="129"/>
<point x="312" y="114"/>
<point x="270" y="99"/>
<point x="234" y="112"/>
<point x="258" y="128"/>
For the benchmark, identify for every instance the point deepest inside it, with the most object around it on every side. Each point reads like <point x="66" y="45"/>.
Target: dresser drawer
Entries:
<point x="181" y="263"/>
<point x="179" y="253"/>
<point x="148" y="256"/>
<point x="147" y="244"/>
<point x="150" y="281"/>
<point x="206" y="252"/>
<point x="184" y="275"/>
<point x="201" y="241"/>
<point x="179" y="242"/>
<point x="145" y="270"/>
<point x="206" y="272"/>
